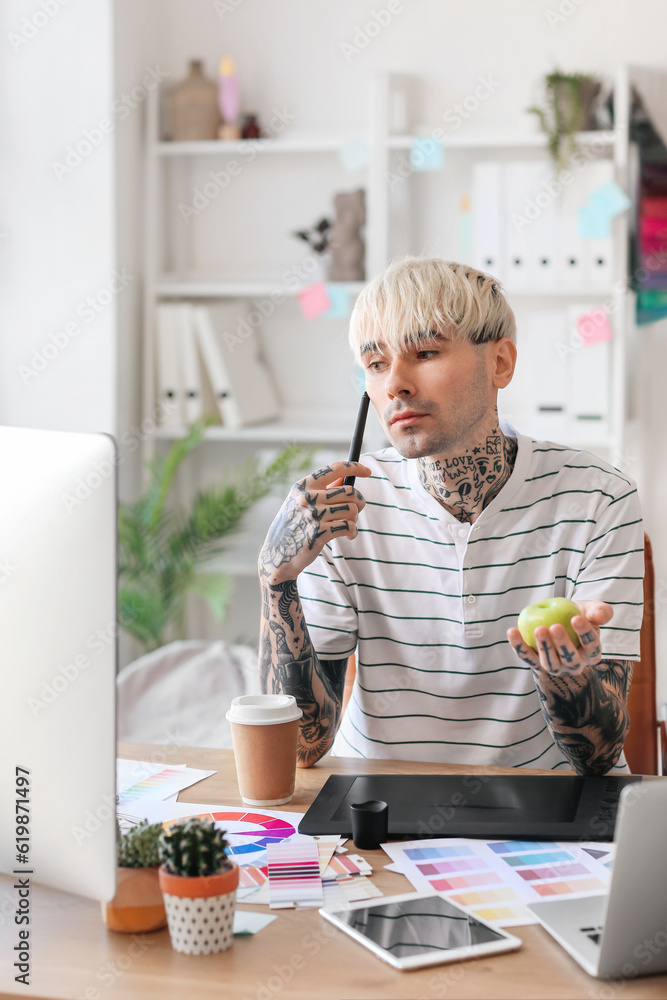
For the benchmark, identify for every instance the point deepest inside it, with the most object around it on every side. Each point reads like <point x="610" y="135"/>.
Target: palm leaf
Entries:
<point x="161" y="548"/>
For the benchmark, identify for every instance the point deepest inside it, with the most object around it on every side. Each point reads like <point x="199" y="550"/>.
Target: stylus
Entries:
<point x="358" y="436"/>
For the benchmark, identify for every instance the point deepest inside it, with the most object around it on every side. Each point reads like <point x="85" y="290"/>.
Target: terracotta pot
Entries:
<point x="138" y="905"/>
<point x="200" y="910"/>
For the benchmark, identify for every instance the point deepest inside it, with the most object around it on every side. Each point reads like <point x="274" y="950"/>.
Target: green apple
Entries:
<point x="550" y="611"/>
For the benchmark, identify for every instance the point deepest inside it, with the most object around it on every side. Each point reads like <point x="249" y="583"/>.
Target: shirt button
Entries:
<point x="463" y="532"/>
<point x="471" y="598"/>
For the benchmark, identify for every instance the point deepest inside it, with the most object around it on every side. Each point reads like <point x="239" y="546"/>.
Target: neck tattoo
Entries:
<point x="466" y="484"/>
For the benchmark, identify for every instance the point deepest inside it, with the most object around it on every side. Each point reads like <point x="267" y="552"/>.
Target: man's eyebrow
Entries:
<point x="427" y="335"/>
<point x="430" y="335"/>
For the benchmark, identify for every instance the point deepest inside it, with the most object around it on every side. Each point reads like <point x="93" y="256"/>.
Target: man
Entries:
<point x="462" y="523"/>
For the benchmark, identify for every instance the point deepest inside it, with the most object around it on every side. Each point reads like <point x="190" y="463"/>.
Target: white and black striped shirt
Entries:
<point x="425" y="602"/>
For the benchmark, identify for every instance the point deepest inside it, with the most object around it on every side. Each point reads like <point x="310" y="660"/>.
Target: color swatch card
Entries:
<point x="339" y="894"/>
<point x="496" y="879"/>
<point x="294" y="875"/>
<point x="343" y="867"/>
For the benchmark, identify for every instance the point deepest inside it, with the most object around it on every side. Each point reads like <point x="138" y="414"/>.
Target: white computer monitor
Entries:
<point x="58" y="649"/>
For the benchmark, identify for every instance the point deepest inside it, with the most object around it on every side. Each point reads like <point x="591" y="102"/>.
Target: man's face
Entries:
<point x="434" y="398"/>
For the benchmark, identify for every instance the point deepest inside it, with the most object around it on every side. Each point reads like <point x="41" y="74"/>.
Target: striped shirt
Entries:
<point x="425" y="602"/>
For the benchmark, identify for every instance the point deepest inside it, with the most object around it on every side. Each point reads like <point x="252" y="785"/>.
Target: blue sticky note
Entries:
<point x="610" y="199"/>
<point x="427" y="153"/>
<point x="340" y="301"/>
<point x="593" y="225"/>
<point x="354" y="154"/>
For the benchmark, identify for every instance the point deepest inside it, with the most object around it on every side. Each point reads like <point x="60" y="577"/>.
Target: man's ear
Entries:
<point x="504" y="362"/>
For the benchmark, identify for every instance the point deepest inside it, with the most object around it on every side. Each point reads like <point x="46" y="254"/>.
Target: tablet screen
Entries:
<point x="418" y="926"/>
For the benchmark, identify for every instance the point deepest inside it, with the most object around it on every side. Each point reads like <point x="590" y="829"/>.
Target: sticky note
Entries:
<point x="427" y="153"/>
<point x="610" y="199"/>
<point x="354" y="154"/>
<point x="593" y="225"/>
<point x="340" y="301"/>
<point x="250" y="923"/>
<point x="314" y="300"/>
<point x="593" y="327"/>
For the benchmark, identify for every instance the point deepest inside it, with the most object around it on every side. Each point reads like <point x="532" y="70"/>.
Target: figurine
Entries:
<point x="347" y="246"/>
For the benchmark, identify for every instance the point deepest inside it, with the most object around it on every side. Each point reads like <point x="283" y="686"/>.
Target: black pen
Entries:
<point x="358" y="436"/>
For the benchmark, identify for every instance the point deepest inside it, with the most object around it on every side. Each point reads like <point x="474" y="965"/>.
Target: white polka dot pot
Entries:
<point x="200" y="910"/>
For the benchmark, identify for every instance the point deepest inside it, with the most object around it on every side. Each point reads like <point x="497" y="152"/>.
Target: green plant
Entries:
<point x="163" y="550"/>
<point x="138" y="848"/>
<point x="193" y="847"/>
<point x="567" y="100"/>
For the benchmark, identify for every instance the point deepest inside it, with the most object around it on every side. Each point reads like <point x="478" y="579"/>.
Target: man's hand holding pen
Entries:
<point x="317" y="509"/>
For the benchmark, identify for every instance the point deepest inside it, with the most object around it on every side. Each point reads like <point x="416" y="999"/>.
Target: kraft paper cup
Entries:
<point x="265" y="728"/>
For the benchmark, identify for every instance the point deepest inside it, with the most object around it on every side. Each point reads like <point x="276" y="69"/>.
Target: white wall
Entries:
<point x="57" y="309"/>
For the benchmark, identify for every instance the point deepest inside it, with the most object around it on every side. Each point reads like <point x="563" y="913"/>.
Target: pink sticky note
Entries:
<point x="593" y="327"/>
<point x="314" y="300"/>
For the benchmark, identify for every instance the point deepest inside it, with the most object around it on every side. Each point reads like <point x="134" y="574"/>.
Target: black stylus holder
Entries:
<point x="370" y="821"/>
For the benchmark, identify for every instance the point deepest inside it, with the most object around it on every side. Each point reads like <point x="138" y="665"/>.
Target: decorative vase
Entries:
<point x="193" y="111"/>
<point x="138" y="905"/>
<point x="200" y="910"/>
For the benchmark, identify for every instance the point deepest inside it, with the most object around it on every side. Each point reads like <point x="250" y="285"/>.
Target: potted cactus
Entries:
<point x="138" y="905"/>
<point x="198" y="883"/>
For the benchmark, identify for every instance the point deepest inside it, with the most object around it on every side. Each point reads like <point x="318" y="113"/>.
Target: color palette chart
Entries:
<point x="495" y="879"/>
<point x="156" y="787"/>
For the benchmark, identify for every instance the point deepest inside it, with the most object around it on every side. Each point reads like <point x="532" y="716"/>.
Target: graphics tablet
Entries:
<point x="417" y="929"/>
<point x="532" y="807"/>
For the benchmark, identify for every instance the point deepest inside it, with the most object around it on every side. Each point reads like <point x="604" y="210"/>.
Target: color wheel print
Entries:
<point x="250" y="832"/>
<point x="268" y="830"/>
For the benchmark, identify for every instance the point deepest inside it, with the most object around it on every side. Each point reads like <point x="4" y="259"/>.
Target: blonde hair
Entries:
<point x="420" y="294"/>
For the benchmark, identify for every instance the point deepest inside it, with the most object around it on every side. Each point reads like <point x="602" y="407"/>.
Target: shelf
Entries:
<point x="290" y="428"/>
<point x="304" y="142"/>
<point x="200" y="286"/>
<point x="501" y="140"/>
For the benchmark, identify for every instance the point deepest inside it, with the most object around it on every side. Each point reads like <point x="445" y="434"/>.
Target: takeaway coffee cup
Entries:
<point x="264" y="730"/>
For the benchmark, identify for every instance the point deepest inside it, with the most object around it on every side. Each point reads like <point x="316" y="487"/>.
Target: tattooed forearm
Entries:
<point x="587" y="713"/>
<point x="289" y="665"/>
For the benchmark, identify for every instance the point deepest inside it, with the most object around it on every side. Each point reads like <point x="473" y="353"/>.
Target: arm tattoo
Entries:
<point x="587" y="714"/>
<point x="288" y="664"/>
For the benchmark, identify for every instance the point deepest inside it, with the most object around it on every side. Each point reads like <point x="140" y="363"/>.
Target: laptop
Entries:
<point x="623" y="932"/>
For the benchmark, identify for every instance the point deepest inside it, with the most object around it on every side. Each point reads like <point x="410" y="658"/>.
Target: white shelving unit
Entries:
<point x="303" y="171"/>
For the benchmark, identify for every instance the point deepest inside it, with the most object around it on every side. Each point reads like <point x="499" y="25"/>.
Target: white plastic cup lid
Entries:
<point x="263" y="709"/>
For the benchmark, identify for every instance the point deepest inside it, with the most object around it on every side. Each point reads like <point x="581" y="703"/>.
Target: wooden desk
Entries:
<point x="298" y="957"/>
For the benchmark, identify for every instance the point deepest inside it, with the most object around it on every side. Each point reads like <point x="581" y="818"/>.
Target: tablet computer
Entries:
<point x="420" y="928"/>
<point x="512" y="806"/>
